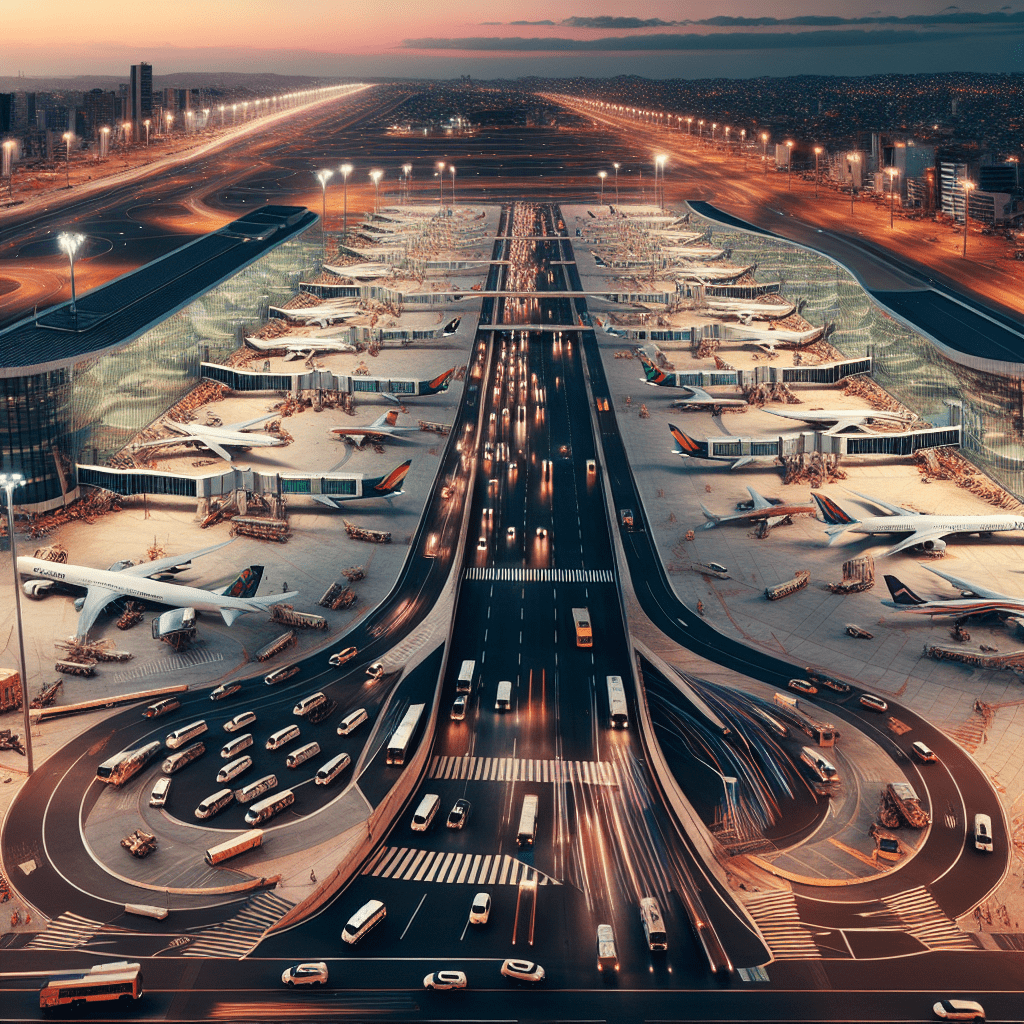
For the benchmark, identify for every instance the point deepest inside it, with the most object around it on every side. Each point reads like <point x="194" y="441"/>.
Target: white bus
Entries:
<point x="654" y="924"/>
<point x="234" y="747"/>
<point x="368" y="916"/>
<point x="617" y="710"/>
<point x="503" y="701"/>
<point x="104" y="983"/>
<point x="327" y="773"/>
<point x="215" y="803"/>
<point x="464" y="684"/>
<point x="233" y="847"/>
<point x="266" y="809"/>
<point x="249" y="793"/>
<point x="528" y="821"/>
<point x="401" y="739"/>
<point x="302" y="754"/>
<point x="117" y="770"/>
<point x="183" y="757"/>
<point x="425" y="812"/>
<point x="234" y="768"/>
<point x="584" y="631"/>
<point x="187" y="732"/>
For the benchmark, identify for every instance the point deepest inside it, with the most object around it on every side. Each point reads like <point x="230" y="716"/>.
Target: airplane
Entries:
<point x="382" y="427"/>
<point x="102" y="586"/>
<point x="980" y="601"/>
<point x="216" y="439"/>
<point x="301" y="346"/>
<point x="387" y="487"/>
<point x="845" y="419"/>
<point x="763" y="510"/>
<point x="925" y="531"/>
<point x="697" y="396"/>
<point x="689" y="448"/>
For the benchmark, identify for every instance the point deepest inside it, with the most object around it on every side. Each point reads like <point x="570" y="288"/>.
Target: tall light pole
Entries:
<point x="451" y="167"/>
<point x="743" y="144"/>
<point x="440" y="175"/>
<point x="67" y="137"/>
<point x="602" y="175"/>
<point x="714" y="128"/>
<point x="126" y="129"/>
<point x="967" y="186"/>
<point x="104" y="143"/>
<point x="9" y="147"/>
<point x="324" y="175"/>
<point x="893" y="173"/>
<point x="616" y="166"/>
<point x="407" y="170"/>
<point x="346" y="170"/>
<point x="817" y="154"/>
<point x="170" y="120"/>
<point x="8" y="481"/>
<point x="764" y="152"/>
<point x="375" y="177"/>
<point x="222" y="115"/>
<point x="147" y="123"/>
<point x="789" y="166"/>
<point x="853" y="158"/>
<point x="71" y="242"/>
<point x="659" y="164"/>
<point x="689" y="125"/>
<point x="700" y="131"/>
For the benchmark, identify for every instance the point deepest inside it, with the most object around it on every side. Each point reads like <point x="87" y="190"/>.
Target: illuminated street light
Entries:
<point x="70" y="242"/>
<point x="126" y="129"/>
<point x="789" y="166"/>
<point x="375" y="177"/>
<point x="451" y="167"/>
<point x="700" y="131"/>
<point x="222" y="115"/>
<point x="602" y="175"/>
<point x="8" y="481"/>
<point x="689" y="125"/>
<point x="147" y="124"/>
<point x="170" y="120"/>
<point x="407" y="170"/>
<point x="9" y="147"/>
<point x="853" y="158"/>
<point x="966" y="186"/>
<point x="714" y="128"/>
<point x="893" y="173"/>
<point x="67" y="137"/>
<point x="616" y="166"/>
<point x="440" y="175"/>
<point x="764" y="152"/>
<point x="817" y="154"/>
<point x="659" y="164"/>
<point x="324" y="175"/>
<point x="104" y="143"/>
<point x="346" y="170"/>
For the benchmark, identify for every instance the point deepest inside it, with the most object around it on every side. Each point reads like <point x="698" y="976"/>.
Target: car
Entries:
<point x="958" y="1009"/>
<point x="480" y="910"/>
<point x="161" y="789"/>
<point x="802" y="686"/>
<point x="511" y="533"/>
<point x="522" y="970"/>
<point x="481" y="544"/>
<point x="541" y="532"/>
<point x="923" y="752"/>
<point x="459" y="814"/>
<point x="240" y="721"/>
<point x="225" y="690"/>
<point x="306" y="974"/>
<point x="459" y="708"/>
<point x="873" y="703"/>
<point x="375" y="671"/>
<point x="626" y="518"/>
<point x="444" y="981"/>
<point x="342" y="656"/>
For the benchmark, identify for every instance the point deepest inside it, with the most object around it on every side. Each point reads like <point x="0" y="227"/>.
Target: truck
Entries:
<point x="10" y="690"/>
<point x="900" y="804"/>
<point x="780" y="590"/>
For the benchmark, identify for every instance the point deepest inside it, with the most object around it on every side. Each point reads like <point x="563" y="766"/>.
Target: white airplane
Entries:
<point x="761" y="509"/>
<point x="382" y="427"/>
<point x="302" y="346"/>
<point x="923" y="531"/>
<point x="977" y="600"/>
<point x="102" y="586"/>
<point x="845" y="419"/>
<point x="698" y="398"/>
<point x="217" y="439"/>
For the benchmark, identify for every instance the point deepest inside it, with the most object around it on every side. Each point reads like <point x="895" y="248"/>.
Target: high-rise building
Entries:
<point x="998" y="178"/>
<point x="141" y="86"/>
<point x="6" y="112"/>
<point x="951" y="177"/>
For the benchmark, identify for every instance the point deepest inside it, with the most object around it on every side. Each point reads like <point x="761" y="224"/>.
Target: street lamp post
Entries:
<point x="789" y="166"/>
<point x="893" y="173"/>
<point x="70" y="242"/>
<point x="451" y="167"/>
<point x="375" y="177"/>
<point x="817" y="154"/>
<point x="659" y="164"/>
<point x="602" y="175"/>
<point x="700" y="131"/>
<point x="407" y="170"/>
<point x="764" y="152"/>
<point x="8" y="481"/>
<point x="743" y="144"/>
<point x="9" y="147"/>
<point x="147" y="124"/>
<point x="967" y="186"/>
<point x="126" y="129"/>
<point x="346" y="170"/>
<point x="324" y="175"/>
<point x="440" y="175"/>
<point x="104" y="143"/>
<point x="67" y="137"/>
<point x="689" y="125"/>
<point x="616" y="166"/>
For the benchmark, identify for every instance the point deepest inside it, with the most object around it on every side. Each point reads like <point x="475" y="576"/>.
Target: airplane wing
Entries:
<point x="96" y="599"/>
<point x="203" y="439"/>
<point x="974" y="588"/>
<point x="251" y="423"/>
<point x="163" y="564"/>
<point x="918" y="537"/>
<point x="896" y="510"/>
<point x="217" y="449"/>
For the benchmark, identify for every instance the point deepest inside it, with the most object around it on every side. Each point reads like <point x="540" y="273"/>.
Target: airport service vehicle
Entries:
<point x="780" y="590"/>
<point x="161" y="790"/>
<point x="117" y="770"/>
<point x="503" y="701"/>
<point x="234" y="768"/>
<point x="225" y="690"/>
<point x="464" y="684"/>
<point x="233" y="847"/>
<point x="264" y="810"/>
<point x="234" y="747"/>
<point x="424" y="813"/>
<point x="459" y="814"/>
<point x="653" y="925"/>
<point x="584" y="632"/>
<point x="873" y="703"/>
<point x="342" y="656"/>
<point x="459" y="708"/>
<point x="802" y="686"/>
<point x="188" y="732"/>
<point x="139" y="843"/>
<point x="366" y="918"/>
<point x="332" y="769"/>
<point x="306" y="974"/>
<point x="607" y="955"/>
<point x="240" y="721"/>
<point x="444" y="981"/>
<point x="923" y="753"/>
<point x="480" y="910"/>
<point x="162" y="707"/>
<point x="527" y="831"/>
<point x="105" y="983"/>
<point x="307" y="704"/>
<point x="983" y="833"/>
<point x="401" y="739"/>
<point x="958" y="1009"/>
<point x="183" y="757"/>
<point x="282" y="736"/>
<point x="618" y="713"/>
<point x="522" y="970"/>
<point x="352" y="721"/>
<point x="214" y="804"/>
<point x="249" y="793"/>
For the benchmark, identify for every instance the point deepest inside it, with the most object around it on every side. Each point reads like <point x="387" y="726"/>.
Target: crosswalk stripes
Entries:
<point x="169" y="663"/>
<point x="950" y="821"/>
<point x="523" y="769"/>
<point x="924" y="919"/>
<point x="405" y="864"/>
<point x="540" y="575"/>
<point x="779" y="921"/>
<point x="239" y="934"/>
<point x="752" y="973"/>
<point x="66" y="932"/>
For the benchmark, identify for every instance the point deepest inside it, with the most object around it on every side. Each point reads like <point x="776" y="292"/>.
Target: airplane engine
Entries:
<point x="37" y="589"/>
<point x="934" y="546"/>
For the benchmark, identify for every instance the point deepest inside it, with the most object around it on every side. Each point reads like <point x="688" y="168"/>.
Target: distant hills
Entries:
<point x="223" y="80"/>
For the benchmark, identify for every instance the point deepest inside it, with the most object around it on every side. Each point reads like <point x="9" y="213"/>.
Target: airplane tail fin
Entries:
<point x="686" y="445"/>
<point x="712" y="519"/>
<point x="440" y="383"/>
<point x="390" y="484"/>
<point x="246" y="583"/>
<point x="262" y="604"/>
<point x="901" y="593"/>
<point x="831" y="513"/>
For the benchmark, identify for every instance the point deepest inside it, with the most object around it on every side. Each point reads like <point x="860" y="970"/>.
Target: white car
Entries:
<point x="160" y="791"/>
<point x="445" y="980"/>
<point x="481" y="544"/>
<point x="522" y="970"/>
<point x="958" y="1009"/>
<point x="240" y="721"/>
<point x="480" y="911"/>
<point x="306" y="974"/>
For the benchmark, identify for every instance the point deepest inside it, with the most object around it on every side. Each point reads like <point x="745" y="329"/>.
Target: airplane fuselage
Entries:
<point x="235" y="438"/>
<point x="947" y="524"/>
<point x="961" y="607"/>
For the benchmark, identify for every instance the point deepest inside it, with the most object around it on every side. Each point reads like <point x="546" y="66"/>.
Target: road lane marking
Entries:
<point x="411" y="919"/>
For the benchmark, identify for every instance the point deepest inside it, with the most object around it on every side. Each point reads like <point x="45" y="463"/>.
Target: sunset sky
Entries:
<point x="657" y="38"/>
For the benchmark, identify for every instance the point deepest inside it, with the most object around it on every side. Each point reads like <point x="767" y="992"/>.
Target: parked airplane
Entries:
<point x="840" y="420"/>
<point x="102" y="586"/>
<point x="216" y="439"/>
<point x="762" y="509"/>
<point x="381" y="428"/>
<point x="690" y="448"/>
<point x="697" y="396"/>
<point x="924" y="531"/>
<point x="980" y="602"/>
<point x="301" y="346"/>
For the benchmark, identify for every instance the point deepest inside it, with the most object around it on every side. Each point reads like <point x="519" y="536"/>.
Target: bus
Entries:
<point x="464" y="684"/>
<point x="402" y="737"/>
<point x="368" y="916"/>
<point x="187" y="732"/>
<point x="214" y="803"/>
<point x="617" y="711"/>
<point x="104" y="983"/>
<point x="607" y="955"/>
<point x="584" y="633"/>
<point x="233" y="847"/>
<point x="266" y="809"/>
<point x="117" y="770"/>
<point x="183" y="757"/>
<point x="327" y="773"/>
<point x="503" y="701"/>
<point x="654" y="924"/>
<point x="248" y="793"/>
<point x="528" y="821"/>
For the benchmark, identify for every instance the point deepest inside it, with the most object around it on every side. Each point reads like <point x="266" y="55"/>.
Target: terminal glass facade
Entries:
<point x="907" y="364"/>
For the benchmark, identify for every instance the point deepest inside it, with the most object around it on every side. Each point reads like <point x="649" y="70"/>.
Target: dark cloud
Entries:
<point x="618" y="24"/>
<point x="666" y="41"/>
<point x="521" y="22"/>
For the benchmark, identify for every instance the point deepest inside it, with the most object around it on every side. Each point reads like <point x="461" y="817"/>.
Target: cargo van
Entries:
<point x="314" y="700"/>
<point x="424" y="814"/>
<point x="236" y="746"/>
<point x="282" y="736"/>
<point x="368" y="916"/>
<point x="983" y="833"/>
<point x="297" y="757"/>
<point x="352" y="721"/>
<point x="247" y="794"/>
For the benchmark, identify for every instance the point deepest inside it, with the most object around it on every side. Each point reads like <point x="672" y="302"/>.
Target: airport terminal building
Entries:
<point x="77" y="387"/>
